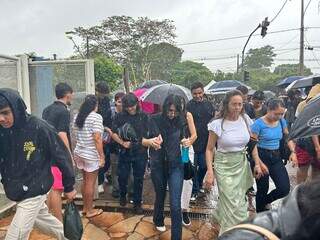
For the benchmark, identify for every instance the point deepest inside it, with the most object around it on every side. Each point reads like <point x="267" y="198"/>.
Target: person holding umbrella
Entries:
<point x="308" y="149"/>
<point x="167" y="131"/>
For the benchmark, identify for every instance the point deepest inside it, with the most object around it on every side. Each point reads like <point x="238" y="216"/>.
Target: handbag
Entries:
<point x="72" y="224"/>
<point x="250" y="145"/>
<point x="189" y="170"/>
<point x="283" y="147"/>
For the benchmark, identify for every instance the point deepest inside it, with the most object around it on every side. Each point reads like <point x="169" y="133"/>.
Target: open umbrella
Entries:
<point x="158" y="94"/>
<point x="147" y="107"/>
<point x="304" y="82"/>
<point x="151" y="83"/>
<point x="225" y="85"/>
<point x="308" y="122"/>
<point x="287" y="81"/>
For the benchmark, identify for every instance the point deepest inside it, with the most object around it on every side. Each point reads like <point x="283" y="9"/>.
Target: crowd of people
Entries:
<point x="234" y="146"/>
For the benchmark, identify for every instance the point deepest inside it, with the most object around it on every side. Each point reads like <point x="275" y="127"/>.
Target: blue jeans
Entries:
<point x="138" y="165"/>
<point x="278" y="174"/>
<point x="201" y="166"/>
<point x="160" y="177"/>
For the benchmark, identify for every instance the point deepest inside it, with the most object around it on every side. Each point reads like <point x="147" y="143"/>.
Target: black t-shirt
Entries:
<point x="249" y="110"/>
<point x="104" y="110"/>
<point x="139" y="122"/>
<point x="202" y="113"/>
<point x="58" y="115"/>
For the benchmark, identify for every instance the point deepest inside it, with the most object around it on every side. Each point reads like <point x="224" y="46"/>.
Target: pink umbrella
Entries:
<point x="147" y="107"/>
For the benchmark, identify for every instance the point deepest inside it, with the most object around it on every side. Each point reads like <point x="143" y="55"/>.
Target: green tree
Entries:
<point x="162" y="58"/>
<point x="287" y="70"/>
<point x="106" y="69"/>
<point x="128" y="40"/>
<point x="220" y="76"/>
<point x="187" y="72"/>
<point x="259" y="58"/>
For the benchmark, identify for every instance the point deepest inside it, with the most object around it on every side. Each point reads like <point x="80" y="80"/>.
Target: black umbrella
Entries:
<point x="151" y="83"/>
<point x="304" y="82"/>
<point x="287" y="81"/>
<point x="308" y="122"/>
<point x="225" y="85"/>
<point x="158" y="94"/>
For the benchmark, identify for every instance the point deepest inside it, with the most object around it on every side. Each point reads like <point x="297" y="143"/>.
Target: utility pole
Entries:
<point x="126" y="79"/>
<point x="301" y="57"/>
<point x="237" y="63"/>
<point x="87" y="46"/>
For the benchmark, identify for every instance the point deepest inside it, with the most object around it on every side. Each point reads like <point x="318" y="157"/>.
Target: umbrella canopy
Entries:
<point x="308" y="121"/>
<point x="304" y="82"/>
<point x="151" y="83"/>
<point x="158" y="94"/>
<point x="147" y="107"/>
<point x="226" y="85"/>
<point x="287" y="81"/>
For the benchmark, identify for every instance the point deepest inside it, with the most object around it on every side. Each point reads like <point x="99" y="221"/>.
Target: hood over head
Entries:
<point x="17" y="105"/>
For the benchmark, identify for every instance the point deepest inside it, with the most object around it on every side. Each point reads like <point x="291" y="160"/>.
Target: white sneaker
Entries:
<point x="100" y="188"/>
<point x="161" y="228"/>
<point x="202" y="190"/>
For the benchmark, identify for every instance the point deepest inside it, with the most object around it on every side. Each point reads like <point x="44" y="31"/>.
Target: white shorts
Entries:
<point x="87" y="165"/>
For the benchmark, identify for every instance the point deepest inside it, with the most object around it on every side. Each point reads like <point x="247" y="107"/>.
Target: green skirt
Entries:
<point x="233" y="177"/>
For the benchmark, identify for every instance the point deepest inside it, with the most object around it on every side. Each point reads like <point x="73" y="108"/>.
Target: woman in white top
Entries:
<point x="230" y="167"/>
<point x="88" y="154"/>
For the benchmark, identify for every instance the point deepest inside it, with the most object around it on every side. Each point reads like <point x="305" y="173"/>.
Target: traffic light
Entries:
<point x="246" y="76"/>
<point x="264" y="27"/>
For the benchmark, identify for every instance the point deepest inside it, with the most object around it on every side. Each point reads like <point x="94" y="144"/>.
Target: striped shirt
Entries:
<point x="85" y="146"/>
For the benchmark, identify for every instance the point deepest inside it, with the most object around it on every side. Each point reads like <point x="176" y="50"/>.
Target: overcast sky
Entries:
<point x="39" y="26"/>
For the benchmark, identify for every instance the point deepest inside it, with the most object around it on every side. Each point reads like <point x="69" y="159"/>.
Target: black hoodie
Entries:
<point x="28" y="150"/>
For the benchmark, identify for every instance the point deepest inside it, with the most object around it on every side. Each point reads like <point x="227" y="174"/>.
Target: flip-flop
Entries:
<point x="96" y="213"/>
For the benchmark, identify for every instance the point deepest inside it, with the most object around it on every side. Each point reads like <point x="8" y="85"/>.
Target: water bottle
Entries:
<point x="185" y="154"/>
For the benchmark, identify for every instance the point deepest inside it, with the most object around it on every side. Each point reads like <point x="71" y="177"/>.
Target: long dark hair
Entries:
<point x="180" y="120"/>
<point x="89" y="104"/>
<point x="225" y="104"/>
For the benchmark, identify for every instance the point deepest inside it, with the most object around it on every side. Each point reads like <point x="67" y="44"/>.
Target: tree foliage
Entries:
<point x="259" y="57"/>
<point x="286" y="70"/>
<point x="106" y="69"/>
<point x="187" y="72"/>
<point x="128" y="41"/>
<point x="162" y="58"/>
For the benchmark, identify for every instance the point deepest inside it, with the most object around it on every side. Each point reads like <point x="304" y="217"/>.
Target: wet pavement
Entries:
<point x="120" y="223"/>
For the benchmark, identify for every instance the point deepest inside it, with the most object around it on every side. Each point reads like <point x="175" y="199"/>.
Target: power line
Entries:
<point x="279" y="11"/>
<point x="306" y="7"/>
<point x="314" y="55"/>
<point x="243" y="36"/>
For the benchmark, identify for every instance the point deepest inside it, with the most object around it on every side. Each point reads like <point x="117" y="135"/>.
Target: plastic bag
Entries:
<point x="72" y="224"/>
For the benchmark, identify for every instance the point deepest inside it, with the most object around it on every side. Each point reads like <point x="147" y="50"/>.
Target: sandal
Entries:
<point x="96" y="212"/>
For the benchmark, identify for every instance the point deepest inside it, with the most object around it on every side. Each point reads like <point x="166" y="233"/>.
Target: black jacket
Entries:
<point x="104" y="110"/>
<point x="27" y="151"/>
<point x="283" y="221"/>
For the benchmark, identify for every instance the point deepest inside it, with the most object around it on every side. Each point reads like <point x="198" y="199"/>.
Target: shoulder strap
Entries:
<point x="245" y="120"/>
<point x="262" y="231"/>
<point x="281" y="125"/>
